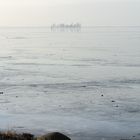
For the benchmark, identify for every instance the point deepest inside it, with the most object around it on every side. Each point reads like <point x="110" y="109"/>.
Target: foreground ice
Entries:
<point x="85" y="84"/>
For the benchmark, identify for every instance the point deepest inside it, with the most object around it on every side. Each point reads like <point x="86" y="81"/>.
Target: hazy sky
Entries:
<point x="87" y="12"/>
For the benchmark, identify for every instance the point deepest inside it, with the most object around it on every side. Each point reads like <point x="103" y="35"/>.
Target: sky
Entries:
<point x="86" y="12"/>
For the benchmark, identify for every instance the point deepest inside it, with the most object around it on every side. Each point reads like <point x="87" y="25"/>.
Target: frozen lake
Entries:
<point x="85" y="84"/>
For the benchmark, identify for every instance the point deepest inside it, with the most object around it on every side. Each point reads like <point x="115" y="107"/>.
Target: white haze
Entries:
<point x="87" y="12"/>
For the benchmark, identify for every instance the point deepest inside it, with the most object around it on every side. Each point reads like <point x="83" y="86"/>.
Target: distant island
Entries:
<point x="62" y="27"/>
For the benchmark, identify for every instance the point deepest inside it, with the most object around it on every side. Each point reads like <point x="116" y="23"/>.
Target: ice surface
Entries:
<point x="85" y="84"/>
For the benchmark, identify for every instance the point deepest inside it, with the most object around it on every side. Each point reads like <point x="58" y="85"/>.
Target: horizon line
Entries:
<point x="48" y="26"/>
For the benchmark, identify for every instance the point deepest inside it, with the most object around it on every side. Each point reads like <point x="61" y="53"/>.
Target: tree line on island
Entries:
<point x="62" y="26"/>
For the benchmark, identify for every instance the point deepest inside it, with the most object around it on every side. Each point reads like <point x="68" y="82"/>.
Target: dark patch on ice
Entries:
<point x="5" y="57"/>
<point x="27" y="64"/>
<point x="121" y="64"/>
<point x="83" y="86"/>
<point x="33" y="85"/>
<point x="44" y="64"/>
<point x="94" y="60"/>
<point x="132" y="110"/>
<point x="115" y="64"/>
<point x="73" y="85"/>
<point x="79" y="65"/>
<point x="1" y="92"/>
<point x="18" y="37"/>
<point x="82" y="64"/>
<point x="11" y="69"/>
<point x="4" y="102"/>
<point x="126" y="81"/>
<point x="88" y="60"/>
<point x="131" y="65"/>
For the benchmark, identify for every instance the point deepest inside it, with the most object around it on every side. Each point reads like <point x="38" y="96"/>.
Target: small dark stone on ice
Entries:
<point x="116" y="106"/>
<point x="102" y="95"/>
<point x="16" y="96"/>
<point x="112" y="101"/>
<point x="1" y="92"/>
